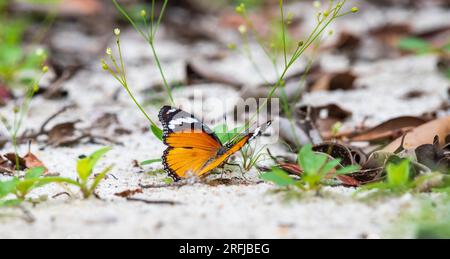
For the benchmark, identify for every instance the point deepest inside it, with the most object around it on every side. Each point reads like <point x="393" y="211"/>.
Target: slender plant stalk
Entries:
<point x="149" y="35"/>
<point x="323" y="23"/>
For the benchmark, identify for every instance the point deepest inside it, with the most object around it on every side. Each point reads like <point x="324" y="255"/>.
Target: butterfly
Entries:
<point x="193" y="148"/>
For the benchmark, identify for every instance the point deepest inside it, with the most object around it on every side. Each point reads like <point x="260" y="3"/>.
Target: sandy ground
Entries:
<point x="236" y="211"/>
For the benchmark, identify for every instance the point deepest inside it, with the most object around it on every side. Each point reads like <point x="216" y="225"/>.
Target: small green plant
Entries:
<point x="85" y="170"/>
<point x="13" y="192"/>
<point x="20" y="111"/>
<point x="250" y="156"/>
<point x="20" y="188"/>
<point x="398" y="179"/>
<point x="318" y="170"/>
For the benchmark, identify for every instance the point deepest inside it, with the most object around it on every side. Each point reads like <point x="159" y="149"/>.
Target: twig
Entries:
<point x="27" y="216"/>
<point x="158" y="186"/>
<point x="172" y="203"/>
<point x="63" y="110"/>
<point x="61" y="194"/>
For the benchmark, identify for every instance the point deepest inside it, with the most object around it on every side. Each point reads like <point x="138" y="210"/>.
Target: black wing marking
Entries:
<point x="175" y="120"/>
<point x="256" y="133"/>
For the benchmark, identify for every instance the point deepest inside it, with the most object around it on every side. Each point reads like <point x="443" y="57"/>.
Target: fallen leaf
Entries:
<point x="391" y="34"/>
<point x="415" y="94"/>
<point x="128" y="193"/>
<point x="32" y="161"/>
<point x="335" y="81"/>
<point x="106" y="120"/>
<point x="6" y="166"/>
<point x="347" y="42"/>
<point x="435" y="156"/>
<point x="14" y="160"/>
<point x="422" y="135"/>
<point x="62" y="134"/>
<point x="390" y="129"/>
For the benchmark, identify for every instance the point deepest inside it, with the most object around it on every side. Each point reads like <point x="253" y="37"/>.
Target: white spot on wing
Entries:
<point x="178" y="122"/>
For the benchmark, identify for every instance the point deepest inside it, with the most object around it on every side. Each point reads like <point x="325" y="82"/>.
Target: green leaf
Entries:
<point x="25" y="186"/>
<point x="398" y="175"/>
<point x="86" y="165"/>
<point x="416" y="45"/>
<point x="311" y="162"/>
<point x="446" y="47"/>
<point x="99" y="178"/>
<point x="34" y="173"/>
<point x="278" y="177"/>
<point x="84" y="169"/>
<point x="10" y="203"/>
<point x="48" y="180"/>
<point x="8" y="187"/>
<point x="152" y="161"/>
<point x="157" y="132"/>
<point x="10" y="55"/>
<point x="329" y="166"/>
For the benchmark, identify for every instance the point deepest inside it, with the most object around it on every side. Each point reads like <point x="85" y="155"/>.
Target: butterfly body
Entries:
<point x="193" y="148"/>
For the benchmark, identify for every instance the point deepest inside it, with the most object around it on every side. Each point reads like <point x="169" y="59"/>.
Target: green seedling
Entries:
<point x="250" y="156"/>
<point x="398" y="179"/>
<point x="20" y="111"/>
<point x="85" y="170"/>
<point x="15" y="191"/>
<point x="318" y="169"/>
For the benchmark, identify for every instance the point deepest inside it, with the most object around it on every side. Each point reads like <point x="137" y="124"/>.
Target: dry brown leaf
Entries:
<point x="335" y="81"/>
<point x="391" y="34"/>
<point x="13" y="159"/>
<point x="390" y="129"/>
<point x="422" y="135"/>
<point x="32" y="160"/>
<point x="128" y="193"/>
<point x="62" y="133"/>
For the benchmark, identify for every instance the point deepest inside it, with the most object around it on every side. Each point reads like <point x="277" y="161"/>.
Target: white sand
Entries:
<point x="238" y="211"/>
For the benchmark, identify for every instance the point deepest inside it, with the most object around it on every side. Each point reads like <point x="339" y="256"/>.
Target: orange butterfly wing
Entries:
<point x="188" y="153"/>
<point x="221" y="159"/>
<point x="193" y="148"/>
<point x="191" y="144"/>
